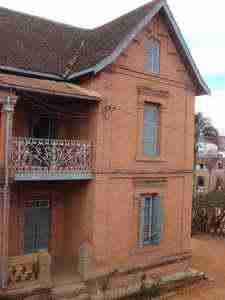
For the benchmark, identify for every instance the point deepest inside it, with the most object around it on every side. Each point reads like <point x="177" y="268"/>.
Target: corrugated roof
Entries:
<point x="48" y="87"/>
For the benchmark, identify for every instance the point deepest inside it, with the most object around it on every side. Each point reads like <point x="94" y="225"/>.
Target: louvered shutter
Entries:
<point x="149" y="54"/>
<point x="148" y="219"/>
<point x="150" y="131"/>
<point x="156" y="57"/>
<point x="141" y="222"/>
<point x="157" y="220"/>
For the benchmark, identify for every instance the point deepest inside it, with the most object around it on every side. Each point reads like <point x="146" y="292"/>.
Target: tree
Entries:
<point x="204" y="131"/>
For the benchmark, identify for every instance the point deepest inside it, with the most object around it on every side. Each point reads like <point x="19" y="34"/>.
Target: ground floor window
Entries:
<point x="151" y="219"/>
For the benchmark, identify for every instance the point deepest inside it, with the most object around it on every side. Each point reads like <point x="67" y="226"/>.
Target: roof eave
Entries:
<point x="34" y="85"/>
<point x="29" y="72"/>
<point x="202" y="88"/>
<point x="41" y="91"/>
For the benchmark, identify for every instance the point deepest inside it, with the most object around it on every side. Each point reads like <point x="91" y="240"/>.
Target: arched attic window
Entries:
<point x="153" y="55"/>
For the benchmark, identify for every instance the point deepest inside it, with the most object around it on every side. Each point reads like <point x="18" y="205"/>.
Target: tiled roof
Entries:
<point x="39" y="45"/>
<point x="103" y="40"/>
<point x="31" y="44"/>
<point x="36" y="44"/>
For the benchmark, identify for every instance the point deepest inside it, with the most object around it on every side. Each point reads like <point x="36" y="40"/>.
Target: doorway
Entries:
<point x="37" y="226"/>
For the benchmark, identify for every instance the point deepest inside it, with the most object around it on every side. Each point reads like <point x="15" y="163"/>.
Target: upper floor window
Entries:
<point x="153" y="56"/>
<point x="44" y="128"/>
<point x="151" y="130"/>
<point x="201" y="181"/>
<point x="220" y="165"/>
<point x="151" y="219"/>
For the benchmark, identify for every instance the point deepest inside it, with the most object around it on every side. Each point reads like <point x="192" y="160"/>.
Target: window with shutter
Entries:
<point x="151" y="220"/>
<point x="151" y="130"/>
<point x="153" y="56"/>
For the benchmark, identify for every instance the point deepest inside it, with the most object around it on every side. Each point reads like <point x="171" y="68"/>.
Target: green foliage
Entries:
<point x="204" y="129"/>
<point x="7" y="297"/>
<point x="214" y="199"/>
<point x="145" y="291"/>
<point x="153" y="291"/>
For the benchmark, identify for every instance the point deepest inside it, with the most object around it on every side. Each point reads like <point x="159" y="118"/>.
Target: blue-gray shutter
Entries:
<point x="148" y="63"/>
<point x="141" y="222"/>
<point x="157" y="220"/>
<point x="148" y="221"/>
<point x="156" y="47"/>
<point x="150" y="130"/>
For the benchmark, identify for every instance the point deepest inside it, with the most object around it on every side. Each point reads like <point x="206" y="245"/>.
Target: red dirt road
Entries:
<point x="209" y="257"/>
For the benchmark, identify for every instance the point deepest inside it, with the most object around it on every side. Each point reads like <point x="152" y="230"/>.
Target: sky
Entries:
<point x="201" y="22"/>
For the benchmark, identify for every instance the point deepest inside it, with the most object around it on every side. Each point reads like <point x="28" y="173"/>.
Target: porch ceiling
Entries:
<point x="60" y="88"/>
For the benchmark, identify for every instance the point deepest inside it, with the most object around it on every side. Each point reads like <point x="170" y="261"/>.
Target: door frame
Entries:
<point x="28" y="204"/>
<point x="54" y="193"/>
<point x="36" y="192"/>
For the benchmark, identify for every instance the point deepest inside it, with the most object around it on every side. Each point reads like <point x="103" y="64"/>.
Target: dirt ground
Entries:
<point x="209" y="257"/>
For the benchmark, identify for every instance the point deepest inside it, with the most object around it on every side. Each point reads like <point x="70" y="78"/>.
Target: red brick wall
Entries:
<point x="116" y="218"/>
<point x="78" y="217"/>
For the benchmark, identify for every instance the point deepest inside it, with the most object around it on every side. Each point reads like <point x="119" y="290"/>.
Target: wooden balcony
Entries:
<point x="51" y="159"/>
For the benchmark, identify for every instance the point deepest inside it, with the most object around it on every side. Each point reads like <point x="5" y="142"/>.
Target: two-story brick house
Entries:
<point x="97" y="130"/>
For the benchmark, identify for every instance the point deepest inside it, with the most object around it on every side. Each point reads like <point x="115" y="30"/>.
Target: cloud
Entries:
<point x="199" y="18"/>
<point x="213" y="107"/>
<point x="210" y="58"/>
<point x="203" y="26"/>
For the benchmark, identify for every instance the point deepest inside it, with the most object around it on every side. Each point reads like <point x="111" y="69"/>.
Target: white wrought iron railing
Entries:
<point x="30" y="155"/>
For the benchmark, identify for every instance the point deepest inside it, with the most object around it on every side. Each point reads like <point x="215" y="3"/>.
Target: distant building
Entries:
<point x="209" y="173"/>
<point x="221" y="143"/>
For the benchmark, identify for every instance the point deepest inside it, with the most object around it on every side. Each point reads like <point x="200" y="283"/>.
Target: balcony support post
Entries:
<point x="8" y="103"/>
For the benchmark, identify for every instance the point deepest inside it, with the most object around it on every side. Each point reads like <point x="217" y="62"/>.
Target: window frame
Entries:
<point x="144" y="187"/>
<point x="149" y="63"/>
<point x="156" y="124"/>
<point x="158" y="97"/>
<point x="152" y="197"/>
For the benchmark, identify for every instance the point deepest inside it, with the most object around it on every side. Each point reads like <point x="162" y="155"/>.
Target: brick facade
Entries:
<point x="100" y="218"/>
<point x="121" y="171"/>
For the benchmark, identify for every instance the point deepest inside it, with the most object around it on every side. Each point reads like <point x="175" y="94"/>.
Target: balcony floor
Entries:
<point x="41" y="176"/>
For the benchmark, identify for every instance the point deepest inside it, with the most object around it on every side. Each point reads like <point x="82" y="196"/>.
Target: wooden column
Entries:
<point x="8" y="103"/>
